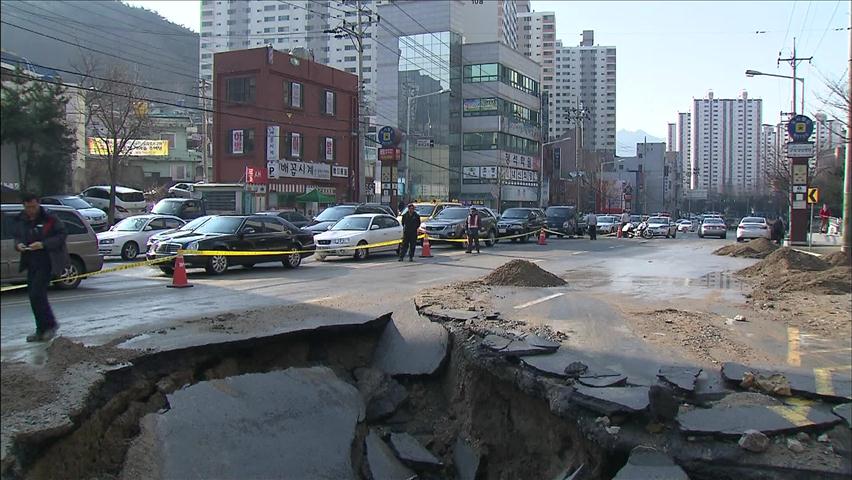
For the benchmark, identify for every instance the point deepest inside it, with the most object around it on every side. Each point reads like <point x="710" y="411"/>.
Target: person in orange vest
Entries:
<point x="824" y="214"/>
<point x="473" y="224"/>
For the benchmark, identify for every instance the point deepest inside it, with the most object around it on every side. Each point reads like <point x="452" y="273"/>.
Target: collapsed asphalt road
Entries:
<point x="465" y="406"/>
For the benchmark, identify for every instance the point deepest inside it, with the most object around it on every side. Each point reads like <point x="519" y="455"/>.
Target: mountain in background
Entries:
<point x="626" y="140"/>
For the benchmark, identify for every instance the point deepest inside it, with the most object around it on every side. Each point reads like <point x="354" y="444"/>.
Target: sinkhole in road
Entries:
<point x="469" y="417"/>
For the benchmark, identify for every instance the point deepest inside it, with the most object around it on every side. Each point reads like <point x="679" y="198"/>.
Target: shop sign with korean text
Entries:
<point x="317" y="171"/>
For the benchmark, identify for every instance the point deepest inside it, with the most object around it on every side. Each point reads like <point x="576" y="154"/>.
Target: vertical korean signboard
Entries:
<point x="273" y="143"/>
<point x="237" y="141"/>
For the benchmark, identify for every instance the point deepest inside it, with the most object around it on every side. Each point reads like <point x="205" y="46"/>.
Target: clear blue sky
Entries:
<point x="670" y="52"/>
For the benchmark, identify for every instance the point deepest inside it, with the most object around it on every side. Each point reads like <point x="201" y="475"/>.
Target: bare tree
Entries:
<point x="117" y="117"/>
<point x="837" y="102"/>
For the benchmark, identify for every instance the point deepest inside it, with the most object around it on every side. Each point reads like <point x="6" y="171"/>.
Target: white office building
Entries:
<point x="585" y="79"/>
<point x="726" y="144"/>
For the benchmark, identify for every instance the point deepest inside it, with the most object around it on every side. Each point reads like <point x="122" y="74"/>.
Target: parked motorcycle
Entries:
<point x="640" y="230"/>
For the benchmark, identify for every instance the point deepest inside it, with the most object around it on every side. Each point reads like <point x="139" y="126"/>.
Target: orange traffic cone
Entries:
<point x="426" y="249"/>
<point x="619" y="234"/>
<point x="179" y="279"/>
<point x="542" y="239"/>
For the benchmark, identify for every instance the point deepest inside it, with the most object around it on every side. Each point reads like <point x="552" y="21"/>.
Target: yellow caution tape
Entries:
<point x="81" y="276"/>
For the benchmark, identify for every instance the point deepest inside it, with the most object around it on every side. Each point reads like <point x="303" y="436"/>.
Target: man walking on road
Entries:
<point x="824" y="214"/>
<point x="473" y="224"/>
<point x="410" y="224"/>
<point x="40" y="237"/>
<point x="625" y="219"/>
<point x="592" y="222"/>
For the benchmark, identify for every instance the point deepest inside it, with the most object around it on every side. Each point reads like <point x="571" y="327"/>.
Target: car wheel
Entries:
<point x="361" y="253"/>
<point x="294" y="259"/>
<point x="216" y="265"/>
<point x="492" y="239"/>
<point x="168" y="270"/>
<point x="129" y="251"/>
<point x="74" y="268"/>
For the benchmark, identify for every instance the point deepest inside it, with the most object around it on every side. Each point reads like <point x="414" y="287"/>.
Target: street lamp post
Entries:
<point x="755" y="73"/>
<point x="408" y="137"/>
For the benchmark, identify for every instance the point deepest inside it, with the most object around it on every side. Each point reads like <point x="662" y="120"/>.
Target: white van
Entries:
<point x="128" y="202"/>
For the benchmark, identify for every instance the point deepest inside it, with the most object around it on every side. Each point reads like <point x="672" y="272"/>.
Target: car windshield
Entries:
<point x="515" y="213"/>
<point x="76" y="202"/>
<point x="754" y="220"/>
<point x="423" y="210"/>
<point x="130" y="196"/>
<point x="167" y="207"/>
<point x="220" y="225"/>
<point x="352" y="223"/>
<point x="195" y="223"/>
<point x="658" y="220"/>
<point x="453" y="214"/>
<point x="131" y="224"/>
<point x="333" y="214"/>
<point x="558" y="212"/>
<point x="606" y="219"/>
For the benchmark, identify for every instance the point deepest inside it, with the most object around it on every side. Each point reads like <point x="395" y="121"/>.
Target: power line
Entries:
<point x="828" y="26"/>
<point x="789" y="23"/>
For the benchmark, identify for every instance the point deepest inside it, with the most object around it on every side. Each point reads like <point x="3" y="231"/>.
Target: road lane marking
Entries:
<point x="577" y="253"/>
<point x="793" y="342"/>
<point x="322" y="299"/>
<point x="822" y="380"/>
<point x="540" y="300"/>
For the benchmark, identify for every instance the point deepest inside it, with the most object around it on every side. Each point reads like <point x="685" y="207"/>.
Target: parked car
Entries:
<point x="96" y="217"/>
<point x="182" y="231"/>
<point x="128" y="201"/>
<point x="183" y="190"/>
<point x="517" y="221"/>
<point x="185" y="208"/>
<point x="82" y="246"/>
<point x="450" y="224"/>
<point x="662" y="226"/>
<point x="753" y="227"/>
<point x="685" y="225"/>
<point x="562" y="219"/>
<point x="332" y="215"/>
<point x="712" y="227"/>
<point x="428" y="210"/>
<point x="252" y="233"/>
<point x="127" y="237"/>
<point x="608" y="224"/>
<point x="355" y="230"/>
<point x="295" y="218"/>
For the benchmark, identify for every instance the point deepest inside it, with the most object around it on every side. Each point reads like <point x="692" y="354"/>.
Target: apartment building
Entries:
<point x="684" y="148"/>
<point x="726" y="144"/>
<point x="537" y="40"/>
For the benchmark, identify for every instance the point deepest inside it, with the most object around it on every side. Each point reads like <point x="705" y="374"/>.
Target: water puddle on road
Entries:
<point x="722" y="284"/>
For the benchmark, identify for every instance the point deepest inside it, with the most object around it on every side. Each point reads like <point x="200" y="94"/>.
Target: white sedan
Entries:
<point x="753" y="227"/>
<point x="128" y="236"/>
<point x="353" y="231"/>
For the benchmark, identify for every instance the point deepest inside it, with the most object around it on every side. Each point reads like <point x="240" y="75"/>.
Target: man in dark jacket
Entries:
<point x="40" y="237"/>
<point x="778" y="231"/>
<point x="410" y="224"/>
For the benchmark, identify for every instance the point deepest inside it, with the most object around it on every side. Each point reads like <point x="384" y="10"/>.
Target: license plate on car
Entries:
<point x="502" y="230"/>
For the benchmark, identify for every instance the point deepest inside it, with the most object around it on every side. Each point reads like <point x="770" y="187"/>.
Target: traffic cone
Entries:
<point x="426" y="249"/>
<point x="542" y="239"/>
<point x="179" y="279"/>
<point x="618" y="235"/>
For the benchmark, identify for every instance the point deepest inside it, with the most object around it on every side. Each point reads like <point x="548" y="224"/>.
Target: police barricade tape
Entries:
<point x="81" y="276"/>
<point x="464" y="240"/>
<point x="237" y="253"/>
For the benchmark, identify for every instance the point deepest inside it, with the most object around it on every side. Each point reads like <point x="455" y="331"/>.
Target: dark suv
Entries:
<point x="563" y="219"/>
<point x="332" y="215"/>
<point x="519" y="221"/>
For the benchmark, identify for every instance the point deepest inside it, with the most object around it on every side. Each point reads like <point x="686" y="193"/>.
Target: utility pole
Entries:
<point x="204" y="143"/>
<point x="578" y="115"/>
<point x="356" y="35"/>
<point x="847" y="175"/>
<point x="794" y="62"/>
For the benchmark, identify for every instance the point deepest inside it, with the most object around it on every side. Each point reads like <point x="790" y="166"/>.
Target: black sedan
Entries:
<point x="517" y="221"/>
<point x="238" y="233"/>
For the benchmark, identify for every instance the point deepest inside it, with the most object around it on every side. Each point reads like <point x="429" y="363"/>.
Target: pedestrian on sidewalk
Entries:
<point x="824" y="215"/>
<point x="40" y="237"/>
<point x="778" y="230"/>
<point x="472" y="225"/>
<point x="410" y="225"/>
<point x="592" y="222"/>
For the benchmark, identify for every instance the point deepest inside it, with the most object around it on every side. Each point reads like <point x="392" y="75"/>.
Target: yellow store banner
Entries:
<point x="133" y="148"/>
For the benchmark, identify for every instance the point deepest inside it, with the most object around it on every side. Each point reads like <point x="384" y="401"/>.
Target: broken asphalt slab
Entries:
<point x="449" y="314"/>
<point x="646" y="463"/>
<point x="683" y="378"/>
<point x="818" y="383"/>
<point x="495" y="343"/>
<point x="611" y="400"/>
<point x="382" y="462"/>
<point x="735" y="420"/>
<point x="412" y="453"/>
<point x="844" y="411"/>
<point x="411" y="344"/>
<point x="466" y="459"/>
<point x="299" y="422"/>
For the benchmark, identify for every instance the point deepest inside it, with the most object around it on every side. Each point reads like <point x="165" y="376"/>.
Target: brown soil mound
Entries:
<point x="521" y="273"/>
<point x="837" y="259"/>
<point x="834" y="281"/>
<point x="783" y="262"/>
<point x="758" y="248"/>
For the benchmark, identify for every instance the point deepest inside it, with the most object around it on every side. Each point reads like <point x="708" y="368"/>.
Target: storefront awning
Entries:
<point x="315" y="196"/>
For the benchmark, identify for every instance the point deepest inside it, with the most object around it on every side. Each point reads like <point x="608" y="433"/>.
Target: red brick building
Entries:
<point x="290" y="117"/>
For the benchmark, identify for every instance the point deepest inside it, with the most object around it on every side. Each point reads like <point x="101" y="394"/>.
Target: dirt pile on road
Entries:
<point x="521" y="273"/>
<point x="758" y="248"/>
<point x="834" y="281"/>
<point x="783" y="262"/>
<point x="837" y="259"/>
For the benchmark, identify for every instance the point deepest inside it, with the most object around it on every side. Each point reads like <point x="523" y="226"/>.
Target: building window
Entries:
<point x="481" y="141"/>
<point x="350" y="69"/>
<point x="294" y="144"/>
<point x="283" y="18"/>
<point x="349" y="59"/>
<point x="171" y="138"/>
<point x="485" y="72"/>
<point x="293" y="94"/>
<point x="240" y="141"/>
<point x="207" y="24"/>
<point x="284" y="6"/>
<point x="268" y="19"/>
<point x="206" y="66"/>
<point x="329" y="104"/>
<point x="327" y="149"/>
<point x="240" y="90"/>
<point x="349" y="47"/>
<point x="268" y="8"/>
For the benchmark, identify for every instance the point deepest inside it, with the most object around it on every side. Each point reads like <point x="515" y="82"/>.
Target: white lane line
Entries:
<point x="540" y="300"/>
<point x="577" y="253"/>
<point x="322" y="299"/>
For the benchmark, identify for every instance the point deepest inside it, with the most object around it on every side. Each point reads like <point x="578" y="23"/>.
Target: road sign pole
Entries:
<point x="811" y="228"/>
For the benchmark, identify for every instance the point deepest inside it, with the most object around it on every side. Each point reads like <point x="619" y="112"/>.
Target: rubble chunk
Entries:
<point x="683" y="378"/>
<point x="754" y="441"/>
<point x="382" y="462"/>
<point x="844" y="411"/>
<point x="412" y="453"/>
<point x="495" y="342"/>
<point x="795" y="446"/>
<point x="646" y="463"/>
<point x="466" y="459"/>
<point x="662" y="402"/>
<point x="382" y="394"/>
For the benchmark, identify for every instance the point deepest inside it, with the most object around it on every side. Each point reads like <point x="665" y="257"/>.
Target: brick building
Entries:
<point x="291" y="117"/>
